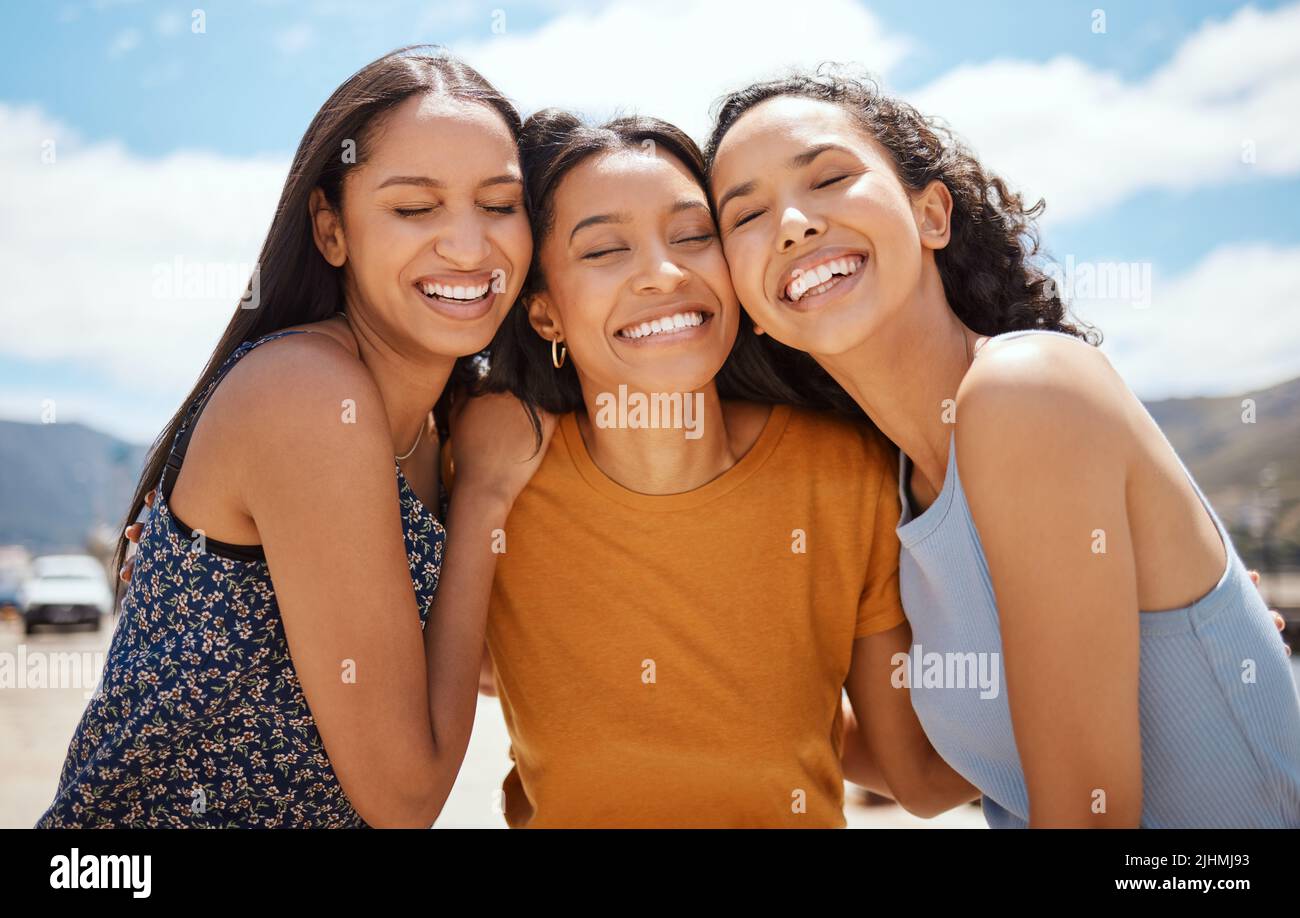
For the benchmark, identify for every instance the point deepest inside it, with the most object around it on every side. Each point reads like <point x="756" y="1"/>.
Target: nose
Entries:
<point x="795" y="227"/>
<point x="658" y="273"/>
<point x="462" y="242"/>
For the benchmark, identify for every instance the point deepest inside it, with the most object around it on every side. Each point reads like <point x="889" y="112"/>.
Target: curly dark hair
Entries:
<point x="989" y="269"/>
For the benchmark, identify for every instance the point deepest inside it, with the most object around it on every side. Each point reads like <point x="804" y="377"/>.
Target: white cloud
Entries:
<point x="1086" y="139"/>
<point x="672" y="59"/>
<point x="82" y="239"/>
<point x="1226" y="326"/>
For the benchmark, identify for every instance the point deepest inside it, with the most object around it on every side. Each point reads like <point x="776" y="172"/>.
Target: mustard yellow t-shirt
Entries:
<point x="678" y="660"/>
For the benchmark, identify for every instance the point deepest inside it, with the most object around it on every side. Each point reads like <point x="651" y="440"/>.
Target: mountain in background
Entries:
<point x="1249" y="471"/>
<point x="59" y="483"/>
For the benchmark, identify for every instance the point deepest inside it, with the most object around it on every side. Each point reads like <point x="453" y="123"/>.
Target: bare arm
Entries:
<point x="1043" y="458"/>
<point x="494" y="456"/>
<point x="915" y="775"/>
<point x="487" y="682"/>
<point x="340" y="571"/>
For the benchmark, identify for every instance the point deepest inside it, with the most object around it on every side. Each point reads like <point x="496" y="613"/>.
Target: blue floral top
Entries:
<point x="199" y="719"/>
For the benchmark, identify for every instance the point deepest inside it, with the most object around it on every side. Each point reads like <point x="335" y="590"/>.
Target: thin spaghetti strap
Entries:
<point x="1031" y="331"/>
<point x="181" y="442"/>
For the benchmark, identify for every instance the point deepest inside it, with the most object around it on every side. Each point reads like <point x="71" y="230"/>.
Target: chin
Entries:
<point x="684" y="381"/>
<point x="459" y="342"/>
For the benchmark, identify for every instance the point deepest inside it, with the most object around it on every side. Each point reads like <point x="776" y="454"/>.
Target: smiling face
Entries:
<point x="434" y="238"/>
<point x="823" y="241"/>
<point x="635" y="282"/>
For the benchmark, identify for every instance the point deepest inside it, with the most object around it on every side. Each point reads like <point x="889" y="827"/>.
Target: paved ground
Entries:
<point x="37" y="723"/>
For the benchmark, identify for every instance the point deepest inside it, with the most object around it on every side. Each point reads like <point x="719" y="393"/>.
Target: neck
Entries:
<point x="409" y="383"/>
<point x="660" y="460"/>
<point x="904" y="373"/>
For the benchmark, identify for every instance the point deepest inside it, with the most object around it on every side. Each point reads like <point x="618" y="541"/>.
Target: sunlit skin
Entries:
<point x="379" y="736"/>
<point x="660" y="251"/>
<point x="1050" y="440"/>
<point x="634" y="240"/>
<point x="295" y="452"/>
<point x="420" y="212"/>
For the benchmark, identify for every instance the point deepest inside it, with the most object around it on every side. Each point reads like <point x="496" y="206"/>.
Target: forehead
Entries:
<point x="782" y="127"/>
<point x="625" y="180"/>
<point x="437" y="129"/>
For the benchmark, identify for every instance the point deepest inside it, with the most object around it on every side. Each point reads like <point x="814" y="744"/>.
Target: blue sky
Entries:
<point x="129" y="84"/>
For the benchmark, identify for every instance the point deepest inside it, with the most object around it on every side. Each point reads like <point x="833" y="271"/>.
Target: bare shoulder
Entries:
<point x="306" y="392"/>
<point x="1042" y="404"/>
<point x="1040" y="385"/>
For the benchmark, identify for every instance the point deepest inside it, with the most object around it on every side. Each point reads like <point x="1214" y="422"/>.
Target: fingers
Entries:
<point x="1278" y="621"/>
<point x="148" y="502"/>
<point x="133" y="531"/>
<point x="127" y="570"/>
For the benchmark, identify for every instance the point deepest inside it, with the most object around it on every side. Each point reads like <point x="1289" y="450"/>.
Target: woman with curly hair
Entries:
<point x="1138" y="680"/>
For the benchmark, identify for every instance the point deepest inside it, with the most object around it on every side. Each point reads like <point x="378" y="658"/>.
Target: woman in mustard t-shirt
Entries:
<point x="705" y="558"/>
<point x="694" y="573"/>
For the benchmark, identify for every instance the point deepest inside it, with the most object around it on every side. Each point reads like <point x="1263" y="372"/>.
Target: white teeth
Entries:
<point x="818" y="276"/>
<point x="455" y="291"/>
<point x="666" y="325"/>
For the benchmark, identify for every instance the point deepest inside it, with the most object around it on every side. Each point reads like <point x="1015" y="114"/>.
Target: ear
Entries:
<point x="933" y="211"/>
<point x="327" y="229"/>
<point x="758" y="330"/>
<point x="544" y="318"/>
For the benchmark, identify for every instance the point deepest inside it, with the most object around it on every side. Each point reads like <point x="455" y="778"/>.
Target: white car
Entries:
<point x="65" y="589"/>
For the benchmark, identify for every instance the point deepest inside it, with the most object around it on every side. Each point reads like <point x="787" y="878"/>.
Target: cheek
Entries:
<point x="517" y="244"/>
<point x="744" y="258"/>
<point x="583" y="311"/>
<point x="883" y="213"/>
<point x="712" y="267"/>
<point x="737" y="264"/>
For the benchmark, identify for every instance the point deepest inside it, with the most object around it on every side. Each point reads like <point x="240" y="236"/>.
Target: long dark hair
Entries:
<point x="297" y="285"/>
<point x="988" y="268"/>
<point x="553" y="142"/>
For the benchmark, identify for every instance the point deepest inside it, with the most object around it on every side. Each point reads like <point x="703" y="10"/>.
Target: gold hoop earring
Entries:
<point x="558" y="360"/>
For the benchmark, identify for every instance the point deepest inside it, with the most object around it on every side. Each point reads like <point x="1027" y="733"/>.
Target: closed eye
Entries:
<point x="411" y="211"/>
<point x="831" y="181"/>
<point x="705" y="238"/>
<point x="745" y="219"/>
<point x="593" y="255"/>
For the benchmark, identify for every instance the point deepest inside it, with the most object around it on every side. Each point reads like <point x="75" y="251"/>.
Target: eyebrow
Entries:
<point x="424" y="181"/>
<point x="797" y="161"/>
<point x="624" y="217"/>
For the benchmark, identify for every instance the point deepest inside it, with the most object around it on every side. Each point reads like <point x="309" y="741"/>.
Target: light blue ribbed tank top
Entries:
<point x="1217" y="751"/>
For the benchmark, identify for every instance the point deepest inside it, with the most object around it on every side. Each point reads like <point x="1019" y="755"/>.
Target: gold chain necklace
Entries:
<point x="419" y="436"/>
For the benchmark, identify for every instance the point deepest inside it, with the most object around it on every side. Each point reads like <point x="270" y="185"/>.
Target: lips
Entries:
<point x="457" y="290"/>
<point x="664" y="323"/>
<point x="819" y="273"/>
<point x="459" y="296"/>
